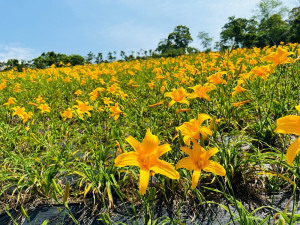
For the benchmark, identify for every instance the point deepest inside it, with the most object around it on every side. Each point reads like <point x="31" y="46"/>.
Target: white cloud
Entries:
<point x="15" y="51"/>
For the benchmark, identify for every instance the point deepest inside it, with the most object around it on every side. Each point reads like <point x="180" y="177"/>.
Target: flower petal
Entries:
<point x="162" y="149"/>
<point x="298" y="108"/>
<point x="150" y="142"/>
<point x="211" y="152"/>
<point x="164" y="168"/>
<point x="202" y="117"/>
<point x="144" y="181"/>
<point x="292" y="151"/>
<point x="186" y="163"/>
<point x="186" y="150"/>
<point x="195" y="178"/>
<point x="215" y="168"/>
<point x="288" y="125"/>
<point x="134" y="143"/>
<point x="127" y="159"/>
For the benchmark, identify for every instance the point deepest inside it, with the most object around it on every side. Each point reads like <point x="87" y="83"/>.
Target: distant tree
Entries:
<point x="51" y="58"/>
<point x="273" y="30"/>
<point x="124" y="56"/>
<point x="75" y="60"/>
<point x="266" y="8"/>
<point x="205" y="39"/>
<point x="110" y="57"/>
<point x="90" y="57"/>
<point x="99" y="58"/>
<point x="294" y="29"/>
<point x="240" y="31"/>
<point x="176" y="43"/>
<point x="180" y="37"/>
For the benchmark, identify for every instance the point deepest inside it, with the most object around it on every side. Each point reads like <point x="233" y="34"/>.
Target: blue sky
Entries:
<point x="31" y="27"/>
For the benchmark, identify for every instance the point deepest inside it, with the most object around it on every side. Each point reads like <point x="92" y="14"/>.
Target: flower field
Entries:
<point x="200" y="129"/>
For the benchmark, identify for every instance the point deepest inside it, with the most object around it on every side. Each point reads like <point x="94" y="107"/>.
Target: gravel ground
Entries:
<point x="122" y="213"/>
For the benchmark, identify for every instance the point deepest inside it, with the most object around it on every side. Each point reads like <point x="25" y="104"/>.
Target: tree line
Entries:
<point x="267" y="27"/>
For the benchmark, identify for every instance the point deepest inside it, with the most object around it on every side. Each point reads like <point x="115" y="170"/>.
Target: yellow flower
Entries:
<point x="78" y="92"/>
<point x="177" y="95"/>
<point x="280" y="57"/>
<point x="198" y="160"/>
<point x="239" y="104"/>
<point x="82" y="108"/>
<point x="39" y="99"/>
<point x="261" y="71"/>
<point x="182" y="110"/>
<point x="11" y="101"/>
<point x="116" y="111"/>
<point x="107" y="101"/>
<point x="19" y="111"/>
<point x="290" y="125"/>
<point x="44" y="108"/>
<point x="113" y="88"/>
<point x="146" y="156"/>
<point x="67" y="114"/>
<point x="193" y="129"/>
<point x="238" y="89"/>
<point x="216" y="78"/>
<point x="94" y="95"/>
<point x="151" y="85"/>
<point x="201" y="91"/>
<point x="27" y="116"/>
<point x="17" y="88"/>
<point x="156" y="104"/>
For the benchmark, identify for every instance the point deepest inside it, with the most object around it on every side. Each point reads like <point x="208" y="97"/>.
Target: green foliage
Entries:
<point x="51" y="58"/>
<point x="176" y="43"/>
<point x="241" y="32"/>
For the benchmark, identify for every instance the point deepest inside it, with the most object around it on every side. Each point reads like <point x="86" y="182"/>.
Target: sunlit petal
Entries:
<point x="134" y="143"/>
<point x="195" y="178"/>
<point x="144" y="181"/>
<point x="211" y="152"/>
<point x="288" y="125"/>
<point x="202" y="117"/>
<point x="165" y="169"/>
<point x="127" y="159"/>
<point x="186" y="163"/>
<point x="293" y="151"/>
<point x="150" y="142"/>
<point x="215" y="168"/>
<point x="186" y="150"/>
<point x="163" y="149"/>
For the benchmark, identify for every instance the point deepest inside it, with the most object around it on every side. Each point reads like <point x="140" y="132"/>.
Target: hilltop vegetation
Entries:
<point x="81" y="123"/>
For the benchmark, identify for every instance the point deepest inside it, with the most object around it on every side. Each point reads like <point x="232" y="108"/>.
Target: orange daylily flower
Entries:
<point x="216" y="78"/>
<point x="19" y="111"/>
<point x="68" y="114"/>
<point x="178" y="95"/>
<point x="156" y="104"/>
<point x="10" y="101"/>
<point x="44" y="108"/>
<point x="290" y="125"/>
<point x="116" y="111"/>
<point x="198" y="160"/>
<point x="78" y="92"/>
<point x="279" y="57"/>
<point x="146" y="156"/>
<point x="201" y="91"/>
<point x="193" y="129"/>
<point x="261" y="71"/>
<point x="239" y="104"/>
<point x="238" y="89"/>
<point x="83" y="108"/>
